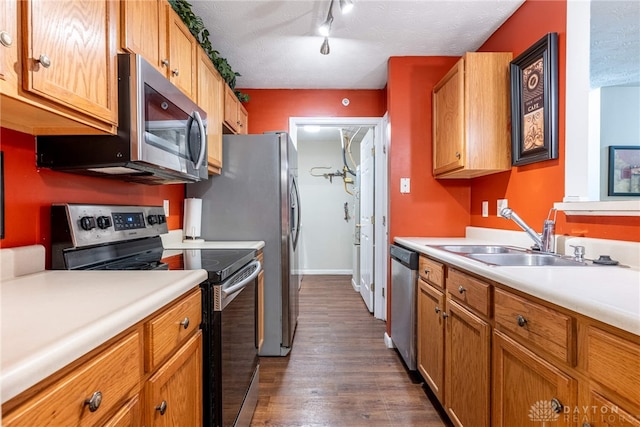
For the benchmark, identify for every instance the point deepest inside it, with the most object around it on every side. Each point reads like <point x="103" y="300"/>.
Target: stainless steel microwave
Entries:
<point x="161" y="137"/>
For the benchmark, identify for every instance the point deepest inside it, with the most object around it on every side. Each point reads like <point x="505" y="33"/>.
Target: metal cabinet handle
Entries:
<point x="458" y="155"/>
<point x="94" y="401"/>
<point x="44" y="61"/>
<point x="521" y="320"/>
<point x="586" y="425"/>
<point x="185" y="323"/>
<point x="437" y="309"/>
<point x="427" y="271"/>
<point x="556" y="405"/>
<point x="5" y="39"/>
<point x="444" y="315"/>
<point x="165" y="62"/>
<point x="461" y="289"/>
<point x="175" y="72"/>
<point x="162" y="407"/>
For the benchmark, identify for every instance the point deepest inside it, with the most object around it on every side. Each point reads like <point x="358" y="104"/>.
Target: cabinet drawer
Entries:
<point x="169" y="329"/>
<point x="543" y="327"/>
<point x="613" y="362"/>
<point x="470" y="291"/>
<point x="113" y="373"/>
<point x="431" y="271"/>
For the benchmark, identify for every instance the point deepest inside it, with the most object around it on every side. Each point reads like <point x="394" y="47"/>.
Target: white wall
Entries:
<point x="326" y="238"/>
<point x="619" y="112"/>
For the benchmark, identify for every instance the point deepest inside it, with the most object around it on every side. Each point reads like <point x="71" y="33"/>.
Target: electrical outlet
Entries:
<point x="485" y="208"/>
<point x="502" y="203"/>
<point x="405" y="185"/>
<point x="165" y="204"/>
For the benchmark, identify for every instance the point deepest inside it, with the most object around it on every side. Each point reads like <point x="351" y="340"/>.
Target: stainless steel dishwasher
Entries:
<point x="404" y="281"/>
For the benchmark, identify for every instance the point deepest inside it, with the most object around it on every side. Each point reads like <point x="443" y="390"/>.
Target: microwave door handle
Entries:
<point x="203" y="139"/>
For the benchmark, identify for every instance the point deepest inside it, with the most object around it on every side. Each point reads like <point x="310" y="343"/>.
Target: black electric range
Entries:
<point x="118" y="237"/>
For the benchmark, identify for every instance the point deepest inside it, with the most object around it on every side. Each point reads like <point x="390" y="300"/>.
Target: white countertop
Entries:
<point x="174" y="240"/>
<point x="51" y="318"/>
<point x="608" y="294"/>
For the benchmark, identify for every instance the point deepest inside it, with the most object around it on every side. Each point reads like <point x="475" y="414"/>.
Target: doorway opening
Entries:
<point x="343" y="172"/>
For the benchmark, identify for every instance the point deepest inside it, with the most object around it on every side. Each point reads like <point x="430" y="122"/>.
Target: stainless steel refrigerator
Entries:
<point x="256" y="198"/>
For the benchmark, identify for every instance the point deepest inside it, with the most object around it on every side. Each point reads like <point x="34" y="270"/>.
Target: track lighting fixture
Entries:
<point x="346" y="6"/>
<point x="325" y="28"/>
<point x="324" y="49"/>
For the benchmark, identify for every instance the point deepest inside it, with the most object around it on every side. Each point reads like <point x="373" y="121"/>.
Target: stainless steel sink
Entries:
<point x="509" y="256"/>
<point x="480" y="249"/>
<point x="525" y="259"/>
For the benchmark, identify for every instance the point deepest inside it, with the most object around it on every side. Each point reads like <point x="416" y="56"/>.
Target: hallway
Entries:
<point x="339" y="372"/>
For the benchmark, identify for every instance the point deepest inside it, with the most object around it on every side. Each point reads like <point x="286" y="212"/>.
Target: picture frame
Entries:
<point x="624" y="170"/>
<point x="534" y="103"/>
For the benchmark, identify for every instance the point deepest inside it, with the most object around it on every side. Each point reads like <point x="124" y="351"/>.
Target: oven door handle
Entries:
<point x="238" y="286"/>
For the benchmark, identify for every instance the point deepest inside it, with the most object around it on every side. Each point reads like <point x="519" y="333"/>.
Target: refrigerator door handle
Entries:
<point x="296" y="207"/>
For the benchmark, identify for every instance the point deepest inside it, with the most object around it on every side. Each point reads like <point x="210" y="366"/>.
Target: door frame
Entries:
<point x="381" y="204"/>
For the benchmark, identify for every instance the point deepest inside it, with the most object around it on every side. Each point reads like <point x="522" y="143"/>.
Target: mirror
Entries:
<point x="603" y="64"/>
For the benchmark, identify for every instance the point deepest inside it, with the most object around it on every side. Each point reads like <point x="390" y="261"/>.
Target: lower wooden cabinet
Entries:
<point x="174" y="393"/>
<point x="601" y="412"/>
<point x="431" y="337"/>
<point x="467" y="367"/>
<point x="110" y="386"/>
<point x="527" y="389"/>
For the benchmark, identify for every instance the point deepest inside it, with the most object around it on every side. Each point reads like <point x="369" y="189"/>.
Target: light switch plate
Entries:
<point x="502" y="203"/>
<point x="165" y="204"/>
<point x="405" y="185"/>
<point x="485" y="208"/>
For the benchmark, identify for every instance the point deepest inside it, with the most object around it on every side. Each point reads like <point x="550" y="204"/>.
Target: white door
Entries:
<point x="367" y="172"/>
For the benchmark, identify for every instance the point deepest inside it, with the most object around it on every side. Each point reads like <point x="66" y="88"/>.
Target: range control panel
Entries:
<point x="90" y="225"/>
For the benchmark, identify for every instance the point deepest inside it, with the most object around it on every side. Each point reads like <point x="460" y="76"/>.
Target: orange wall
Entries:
<point x="432" y="208"/>
<point x="270" y="109"/>
<point x="532" y="189"/>
<point x="29" y="193"/>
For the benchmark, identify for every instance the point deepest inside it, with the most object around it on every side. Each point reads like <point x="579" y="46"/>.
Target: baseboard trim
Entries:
<point x="330" y="272"/>
<point x="388" y="342"/>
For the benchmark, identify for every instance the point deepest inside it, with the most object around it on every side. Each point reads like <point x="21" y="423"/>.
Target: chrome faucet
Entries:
<point x="544" y="243"/>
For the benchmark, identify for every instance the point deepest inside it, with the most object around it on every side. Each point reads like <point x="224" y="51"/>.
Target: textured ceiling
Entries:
<point x="615" y="43"/>
<point x="275" y="45"/>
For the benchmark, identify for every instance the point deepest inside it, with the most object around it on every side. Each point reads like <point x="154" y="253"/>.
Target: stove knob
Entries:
<point x="87" y="223"/>
<point x="104" y="222"/>
<point x="152" y="219"/>
<point x="161" y="219"/>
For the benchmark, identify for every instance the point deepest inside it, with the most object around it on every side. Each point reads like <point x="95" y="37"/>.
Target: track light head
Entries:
<point x="324" y="49"/>
<point x="346" y="6"/>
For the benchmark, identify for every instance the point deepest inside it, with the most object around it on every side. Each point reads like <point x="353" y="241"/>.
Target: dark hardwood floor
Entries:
<point x="339" y="372"/>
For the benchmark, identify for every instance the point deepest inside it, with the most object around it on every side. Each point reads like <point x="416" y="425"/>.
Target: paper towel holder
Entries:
<point x="192" y="220"/>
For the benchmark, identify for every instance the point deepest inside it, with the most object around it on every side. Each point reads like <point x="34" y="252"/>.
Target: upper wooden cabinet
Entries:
<point x="144" y="30"/>
<point x="58" y="66"/>
<point x="211" y="100"/>
<point x="153" y="30"/>
<point x="235" y="115"/>
<point x="182" y="54"/>
<point x="471" y="117"/>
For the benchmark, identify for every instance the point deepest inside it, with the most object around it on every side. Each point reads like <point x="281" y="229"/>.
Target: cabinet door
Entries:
<point x="174" y="393"/>
<point x="528" y="389"/>
<point x="70" y="54"/>
<point x="231" y="109"/>
<point x="601" y="412"/>
<point x="127" y="416"/>
<point x="182" y="54"/>
<point x="243" y="119"/>
<point x="211" y="100"/>
<point x="467" y="365"/>
<point x="8" y="45"/>
<point x="448" y="121"/>
<point x="431" y="337"/>
<point x="144" y="30"/>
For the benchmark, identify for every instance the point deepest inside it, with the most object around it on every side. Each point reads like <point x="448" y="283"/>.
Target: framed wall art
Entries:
<point x="534" y="103"/>
<point x="624" y="170"/>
